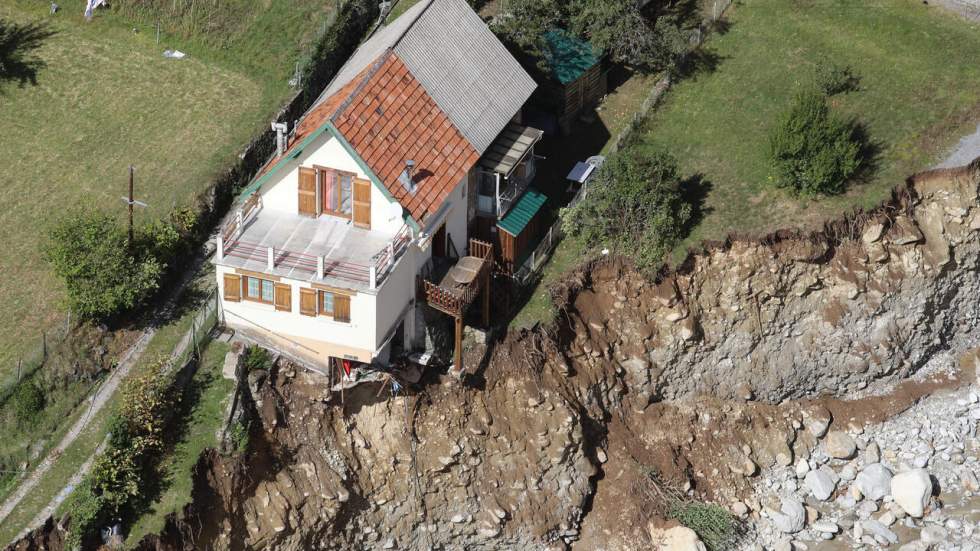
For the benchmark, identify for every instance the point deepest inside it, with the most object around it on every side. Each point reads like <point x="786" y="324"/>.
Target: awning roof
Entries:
<point x="519" y="215"/>
<point x="509" y="148"/>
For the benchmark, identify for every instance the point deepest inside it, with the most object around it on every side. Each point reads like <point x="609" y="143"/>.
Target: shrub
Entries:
<point x="716" y="527"/>
<point x="87" y="512"/>
<point x="28" y="401"/>
<point x="834" y="78"/>
<point x="89" y="251"/>
<point x="812" y="151"/>
<point x="633" y="206"/>
<point x="257" y="357"/>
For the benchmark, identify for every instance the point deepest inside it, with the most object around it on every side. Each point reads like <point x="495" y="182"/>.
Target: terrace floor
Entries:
<point x="297" y="240"/>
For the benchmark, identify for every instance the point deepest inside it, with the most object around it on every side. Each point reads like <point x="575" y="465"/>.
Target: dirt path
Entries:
<point x="96" y="403"/>
<point x="963" y="152"/>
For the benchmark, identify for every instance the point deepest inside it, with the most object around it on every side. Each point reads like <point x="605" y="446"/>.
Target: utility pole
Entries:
<point x="130" y="202"/>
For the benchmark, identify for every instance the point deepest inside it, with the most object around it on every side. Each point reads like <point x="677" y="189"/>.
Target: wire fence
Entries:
<point x="34" y="358"/>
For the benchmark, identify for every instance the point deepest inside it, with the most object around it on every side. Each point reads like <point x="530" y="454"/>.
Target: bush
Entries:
<point x="811" y="151"/>
<point x="716" y="527"/>
<point x="257" y="357"/>
<point x="89" y="251"/>
<point x="633" y="206"/>
<point x="28" y="401"/>
<point x="834" y="78"/>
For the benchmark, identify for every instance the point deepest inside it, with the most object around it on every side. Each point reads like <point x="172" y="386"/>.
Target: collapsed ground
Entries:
<point x="700" y="378"/>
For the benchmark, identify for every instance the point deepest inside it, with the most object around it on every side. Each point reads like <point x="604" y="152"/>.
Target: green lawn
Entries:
<point x="919" y="92"/>
<point x="107" y="99"/>
<point x="204" y="415"/>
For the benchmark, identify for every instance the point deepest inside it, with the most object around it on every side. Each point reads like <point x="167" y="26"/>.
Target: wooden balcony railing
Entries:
<point x="452" y="298"/>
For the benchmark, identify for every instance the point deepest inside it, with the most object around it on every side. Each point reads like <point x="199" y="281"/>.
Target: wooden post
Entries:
<point x="458" y="354"/>
<point x="220" y="249"/>
<point x="486" y="300"/>
<point x="271" y="258"/>
<point x="319" y="267"/>
<point x="131" y="170"/>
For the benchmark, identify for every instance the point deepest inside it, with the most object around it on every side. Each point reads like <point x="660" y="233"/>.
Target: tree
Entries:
<point x="523" y="26"/>
<point x="633" y="206"/>
<point x="620" y="28"/>
<point x="18" y="44"/>
<point x="812" y="151"/>
<point x="89" y="251"/>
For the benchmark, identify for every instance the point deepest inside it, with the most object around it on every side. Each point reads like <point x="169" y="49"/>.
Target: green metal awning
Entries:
<point x="519" y="215"/>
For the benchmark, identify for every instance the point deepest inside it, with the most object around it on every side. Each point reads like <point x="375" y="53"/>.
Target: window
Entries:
<point x="334" y="305"/>
<point x="336" y="192"/>
<point x="259" y="290"/>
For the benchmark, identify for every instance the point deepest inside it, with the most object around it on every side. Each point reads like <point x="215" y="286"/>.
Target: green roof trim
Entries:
<point x="257" y="183"/>
<point x="521" y="213"/>
<point x="568" y="56"/>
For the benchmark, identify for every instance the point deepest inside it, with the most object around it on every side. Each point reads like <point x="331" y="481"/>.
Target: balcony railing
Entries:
<point x="371" y="274"/>
<point x="510" y="190"/>
<point x="453" y="298"/>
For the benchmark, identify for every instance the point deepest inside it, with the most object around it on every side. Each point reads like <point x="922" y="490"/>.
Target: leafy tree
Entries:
<point x="633" y="206"/>
<point x="620" y="28"/>
<point x="89" y="251"/>
<point x="18" y="44"/>
<point x="812" y="151"/>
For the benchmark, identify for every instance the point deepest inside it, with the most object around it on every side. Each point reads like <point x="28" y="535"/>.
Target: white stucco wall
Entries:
<point x="280" y="193"/>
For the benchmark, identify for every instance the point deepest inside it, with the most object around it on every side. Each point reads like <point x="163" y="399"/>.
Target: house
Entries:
<point x="364" y="214"/>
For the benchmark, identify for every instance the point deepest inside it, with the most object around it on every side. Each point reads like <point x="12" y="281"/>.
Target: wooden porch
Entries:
<point x="460" y="287"/>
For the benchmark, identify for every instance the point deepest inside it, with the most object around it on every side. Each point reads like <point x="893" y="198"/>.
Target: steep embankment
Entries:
<point x="550" y="445"/>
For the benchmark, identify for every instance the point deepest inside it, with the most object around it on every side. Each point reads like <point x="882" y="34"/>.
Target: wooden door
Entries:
<point x="362" y="203"/>
<point x="307" y="191"/>
<point x="439" y="242"/>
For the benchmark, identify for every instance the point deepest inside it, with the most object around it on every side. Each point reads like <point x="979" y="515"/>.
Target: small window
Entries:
<point x="259" y="290"/>
<point x="326" y="303"/>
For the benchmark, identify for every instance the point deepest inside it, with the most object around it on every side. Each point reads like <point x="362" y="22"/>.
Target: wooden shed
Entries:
<point x="578" y="81"/>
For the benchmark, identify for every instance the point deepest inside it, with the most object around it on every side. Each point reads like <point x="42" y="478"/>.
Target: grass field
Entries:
<point x="919" y="92"/>
<point x="202" y="417"/>
<point x="107" y="99"/>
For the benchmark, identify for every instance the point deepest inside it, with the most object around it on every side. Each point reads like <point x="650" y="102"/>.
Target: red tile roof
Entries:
<point x="388" y="118"/>
<point x="391" y="119"/>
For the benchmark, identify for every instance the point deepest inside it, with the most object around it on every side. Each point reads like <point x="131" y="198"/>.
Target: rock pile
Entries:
<point x="909" y="483"/>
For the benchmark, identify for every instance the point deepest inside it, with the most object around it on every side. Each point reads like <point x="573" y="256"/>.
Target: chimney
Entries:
<point x="280" y="128"/>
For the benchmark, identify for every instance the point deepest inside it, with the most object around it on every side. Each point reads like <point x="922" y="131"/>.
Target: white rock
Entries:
<point x="839" y="445"/>
<point x="826" y="526"/>
<point x="934" y="533"/>
<point x="802" y="467"/>
<point x="740" y="509"/>
<point x="874" y="481"/>
<point x="969" y="480"/>
<point x="817" y="419"/>
<point x="820" y="483"/>
<point x="677" y="538"/>
<point x="791" y="516"/>
<point x="911" y="491"/>
<point x="879" y="530"/>
<point x="872" y="453"/>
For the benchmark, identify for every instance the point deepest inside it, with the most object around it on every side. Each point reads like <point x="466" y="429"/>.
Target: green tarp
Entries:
<point x="569" y="57"/>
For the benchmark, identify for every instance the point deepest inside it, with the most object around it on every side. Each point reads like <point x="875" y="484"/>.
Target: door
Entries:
<point x="439" y="242"/>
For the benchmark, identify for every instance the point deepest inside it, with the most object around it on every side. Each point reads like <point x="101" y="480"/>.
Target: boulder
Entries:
<point x="911" y="491"/>
<point x="817" y="420"/>
<point x="790" y="517"/>
<point x="802" y="467"/>
<point x="872" y="453"/>
<point x="839" y="445"/>
<point x="821" y="483"/>
<point x="826" y="526"/>
<point x="676" y="538"/>
<point x="874" y="481"/>
<point x="878" y="529"/>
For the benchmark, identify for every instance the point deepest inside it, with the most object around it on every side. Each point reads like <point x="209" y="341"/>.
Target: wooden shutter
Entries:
<point x="284" y="298"/>
<point x="307" y="191"/>
<point x="341" y="308"/>
<point x="307" y="302"/>
<point x="233" y="288"/>
<point x="362" y="203"/>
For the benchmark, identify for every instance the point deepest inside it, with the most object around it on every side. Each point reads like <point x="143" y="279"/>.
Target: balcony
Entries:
<point x="506" y="170"/>
<point x="461" y="284"/>
<point x="325" y="249"/>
